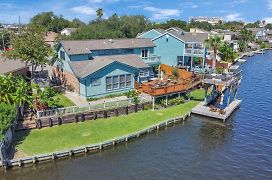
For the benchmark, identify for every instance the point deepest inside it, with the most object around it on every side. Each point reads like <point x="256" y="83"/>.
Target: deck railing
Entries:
<point x="170" y="88"/>
<point x="152" y="59"/>
<point x="190" y="51"/>
<point x="101" y="106"/>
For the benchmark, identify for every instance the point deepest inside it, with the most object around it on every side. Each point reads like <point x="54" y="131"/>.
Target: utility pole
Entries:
<point x="3" y="41"/>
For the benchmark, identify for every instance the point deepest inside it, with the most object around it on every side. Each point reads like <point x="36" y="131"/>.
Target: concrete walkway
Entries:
<point x="76" y="99"/>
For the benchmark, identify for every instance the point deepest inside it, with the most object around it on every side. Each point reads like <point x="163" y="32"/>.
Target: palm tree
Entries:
<point x="213" y="42"/>
<point x="99" y="13"/>
<point x="228" y="54"/>
<point x="245" y="36"/>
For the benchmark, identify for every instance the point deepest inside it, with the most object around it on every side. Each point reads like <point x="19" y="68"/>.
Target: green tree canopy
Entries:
<point x="29" y="46"/>
<point x="213" y="43"/>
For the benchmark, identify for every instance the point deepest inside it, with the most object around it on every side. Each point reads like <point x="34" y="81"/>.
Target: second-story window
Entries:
<point x="62" y="55"/>
<point x="144" y="53"/>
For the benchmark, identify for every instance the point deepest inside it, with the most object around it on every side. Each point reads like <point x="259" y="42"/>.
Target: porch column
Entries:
<point x="191" y="63"/>
<point x="153" y="103"/>
<point x="166" y="100"/>
<point x="183" y="59"/>
<point x="230" y="90"/>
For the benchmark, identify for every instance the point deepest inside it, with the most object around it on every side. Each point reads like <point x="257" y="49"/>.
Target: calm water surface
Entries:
<point x="198" y="149"/>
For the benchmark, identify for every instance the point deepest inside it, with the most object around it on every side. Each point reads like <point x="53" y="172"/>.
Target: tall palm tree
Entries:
<point x="213" y="42"/>
<point x="99" y="13"/>
<point x="245" y="35"/>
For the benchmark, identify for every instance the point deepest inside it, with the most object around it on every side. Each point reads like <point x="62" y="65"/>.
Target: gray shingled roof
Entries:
<point x="9" y="65"/>
<point x="84" y="68"/>
<point x="85" y="46"/>
<point x="191" y="37"/>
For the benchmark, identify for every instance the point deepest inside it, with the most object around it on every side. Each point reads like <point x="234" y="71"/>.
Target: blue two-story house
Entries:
<point x="177" y="47"/>
<point x="96" y="68"/>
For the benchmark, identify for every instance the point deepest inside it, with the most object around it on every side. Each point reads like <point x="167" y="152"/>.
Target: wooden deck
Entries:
<point x="203" y="110"/>
<point x="164" y="87"/>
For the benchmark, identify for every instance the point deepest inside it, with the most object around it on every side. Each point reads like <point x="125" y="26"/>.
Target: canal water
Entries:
<point x="199" y="149"/>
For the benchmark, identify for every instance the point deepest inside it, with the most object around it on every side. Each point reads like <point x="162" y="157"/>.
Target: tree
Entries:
<point x="244" y="37"/>
<point x="213" y="43"/>
<point x="51" y="22"/>
<point x="29" y="47"/>
<point x="4" y="39"/>
<point x="228" y="54"/>
<point x="99" y="14"/>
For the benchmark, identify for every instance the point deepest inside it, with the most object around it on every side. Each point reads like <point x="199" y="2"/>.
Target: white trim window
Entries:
<point x="145" y="53"/>
<point x="122" y="81"/>
<point x="96" y="82"/>
<point x="144" y="73"/>
<point x="115" y="80"/>
<point x="128" y="80"/>
<point x="109" y="83"/>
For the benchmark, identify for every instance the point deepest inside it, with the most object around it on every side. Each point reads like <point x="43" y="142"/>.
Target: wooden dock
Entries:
<point x="203" y="110"/>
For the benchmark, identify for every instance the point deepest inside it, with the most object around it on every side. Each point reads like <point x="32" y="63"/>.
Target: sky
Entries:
<point x="156" y="10"/>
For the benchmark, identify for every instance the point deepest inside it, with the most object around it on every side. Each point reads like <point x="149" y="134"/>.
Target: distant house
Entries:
<point x="96" y="68"/>
<point x="68" y="31"/>
<point x="228" y="36"/>
<point x="197" y="30"/>
<point x="177" y="47"/>
<point x="269" y="36"/>
<point x="50" y="38"/>
<point x="15" y="67"/>
<point x="258" y="33"/>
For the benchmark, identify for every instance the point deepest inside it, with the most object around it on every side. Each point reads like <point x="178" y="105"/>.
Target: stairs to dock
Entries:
<point x="27" y="122"/>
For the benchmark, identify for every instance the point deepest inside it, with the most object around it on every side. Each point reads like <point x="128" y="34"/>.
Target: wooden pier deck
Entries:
<point x="203" y="110"/>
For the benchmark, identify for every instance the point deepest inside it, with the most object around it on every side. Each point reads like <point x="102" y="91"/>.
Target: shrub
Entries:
<point x="7" y="116"/>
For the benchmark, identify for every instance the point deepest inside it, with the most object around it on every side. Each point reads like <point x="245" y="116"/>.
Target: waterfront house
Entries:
<point x="258" y="33"/>
<point x="50" y="38"/>
<point x="177" y="47"/>
<point x="96" y="68"/>
<point x="14" y="67"/>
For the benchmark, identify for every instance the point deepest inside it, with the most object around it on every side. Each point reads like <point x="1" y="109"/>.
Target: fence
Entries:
<point x="76" y="109"/>
<point x="89" y="115"/>
<point x="6" y="142"/>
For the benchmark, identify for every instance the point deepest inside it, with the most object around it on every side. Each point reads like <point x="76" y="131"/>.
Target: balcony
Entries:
<point x="152" y="60"/>
<point x="194" y="52"/>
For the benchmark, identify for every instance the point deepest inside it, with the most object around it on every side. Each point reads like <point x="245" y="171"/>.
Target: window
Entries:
<point x="62" y="55"/>
<point x="122" y="81"/>
<point x="128" y="79"/>
<point x="96" y="82"/>
<point x="144" y="53"/>
<point x="144" y="73"/>
<point x="141" y="74"/>
<point x="115" y="82"/>
<point x="109" y="83"/>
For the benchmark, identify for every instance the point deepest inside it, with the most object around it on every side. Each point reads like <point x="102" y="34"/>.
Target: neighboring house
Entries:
<point x="96" y="68"/>
<point x="228" y="36"/>
<point x="153" y="33"/>
<point x="15" y="67"/>
<point x="258" y="33"/>
<point x="211" y="20"/>
<point x="50" y="38"/>
<point x="197" y="30"/>
<point x="269" y="36"/>
<point x="68" y="31"/>
<point x="176" y="47"/>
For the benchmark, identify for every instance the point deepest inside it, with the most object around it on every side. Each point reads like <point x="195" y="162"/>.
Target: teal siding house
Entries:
<point x="177" y="47"/>
<point x="96" y="68"/>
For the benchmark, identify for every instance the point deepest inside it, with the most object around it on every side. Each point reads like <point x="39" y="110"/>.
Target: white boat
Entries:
<point x="241" y="60"/>
<point x="259" y="52"/>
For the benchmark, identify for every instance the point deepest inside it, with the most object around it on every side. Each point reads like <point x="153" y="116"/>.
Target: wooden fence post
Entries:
<point x="126" y="110"/>
<point x="59" y="121"/>
<point x="116" y="112"/>
<point x="50" y="122"/>
<point x="105" y="115"/>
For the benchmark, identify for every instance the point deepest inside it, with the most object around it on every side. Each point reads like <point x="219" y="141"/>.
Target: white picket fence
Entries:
<point x="101" y="106"/>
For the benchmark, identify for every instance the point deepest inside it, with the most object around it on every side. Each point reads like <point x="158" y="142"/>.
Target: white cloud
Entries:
<point x="189" y="5"/>
<point x="268" y="20"/>
<point x="234" y="17"/>
<point x="87" y="10"/>
<point x="160" y="14"/>
<point x="269" y="4"/>
<point x="102" y="1"/>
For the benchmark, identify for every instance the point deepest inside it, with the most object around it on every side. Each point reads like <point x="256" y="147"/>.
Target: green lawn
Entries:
<point x="198" y="95"/>
<point x="63" y="101"/>
<point x="91" y="132"/>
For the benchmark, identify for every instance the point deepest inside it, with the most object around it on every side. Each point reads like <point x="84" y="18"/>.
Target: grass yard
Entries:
<point x="198" y="95"/>
<point x="63" y="101"/>
<point x="91" y="132"/>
